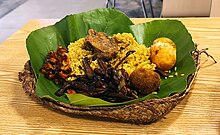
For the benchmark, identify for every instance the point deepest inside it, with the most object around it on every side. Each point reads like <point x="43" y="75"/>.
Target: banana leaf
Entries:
<point x="110" y="21"/>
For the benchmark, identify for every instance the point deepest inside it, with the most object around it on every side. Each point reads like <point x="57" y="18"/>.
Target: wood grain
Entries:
<point x="198" y="113"/>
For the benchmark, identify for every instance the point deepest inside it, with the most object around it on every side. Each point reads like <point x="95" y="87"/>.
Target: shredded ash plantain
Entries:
<point x="126" y="42"/>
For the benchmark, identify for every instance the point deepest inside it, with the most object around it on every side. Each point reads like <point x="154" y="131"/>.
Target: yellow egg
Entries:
<point x="163" y="53"/>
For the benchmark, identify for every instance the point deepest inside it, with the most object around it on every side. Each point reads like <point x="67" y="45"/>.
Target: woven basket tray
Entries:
<point x="143" y="112"/>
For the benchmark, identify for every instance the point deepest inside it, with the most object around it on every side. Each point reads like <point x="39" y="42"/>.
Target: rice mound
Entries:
<point x="126" y="42"/>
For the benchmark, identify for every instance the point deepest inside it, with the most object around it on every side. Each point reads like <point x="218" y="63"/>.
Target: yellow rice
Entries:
<point x="140" y="58"/>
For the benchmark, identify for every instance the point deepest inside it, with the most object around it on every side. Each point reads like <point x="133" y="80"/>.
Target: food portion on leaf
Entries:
<point x="103" y="46"/>
<point x="114" y="68"/>
<point x="163" y="53"/>
<point x="57" y="66"/>
<point x="145" y="80"/>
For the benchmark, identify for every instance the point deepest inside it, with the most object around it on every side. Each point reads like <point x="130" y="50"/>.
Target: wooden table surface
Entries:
<point x="198" y="113"/>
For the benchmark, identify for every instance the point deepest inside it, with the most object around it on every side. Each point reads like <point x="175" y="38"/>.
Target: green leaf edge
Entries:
<point x="80" y="102"/>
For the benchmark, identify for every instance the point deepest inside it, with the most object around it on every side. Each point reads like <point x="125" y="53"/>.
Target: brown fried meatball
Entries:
<point x="145" y="80"/>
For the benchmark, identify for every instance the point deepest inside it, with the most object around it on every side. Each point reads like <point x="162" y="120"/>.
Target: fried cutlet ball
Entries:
<point x="145" y="80"/>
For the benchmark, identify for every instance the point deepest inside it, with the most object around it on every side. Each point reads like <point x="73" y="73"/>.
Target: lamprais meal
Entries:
<point x="114" y="68"/>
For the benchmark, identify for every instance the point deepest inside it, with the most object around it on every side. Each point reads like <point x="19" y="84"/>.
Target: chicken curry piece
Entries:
<point x="104" y="47"/>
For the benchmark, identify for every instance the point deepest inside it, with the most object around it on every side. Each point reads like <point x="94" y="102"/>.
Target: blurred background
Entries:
<point x="16" y="13"/>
